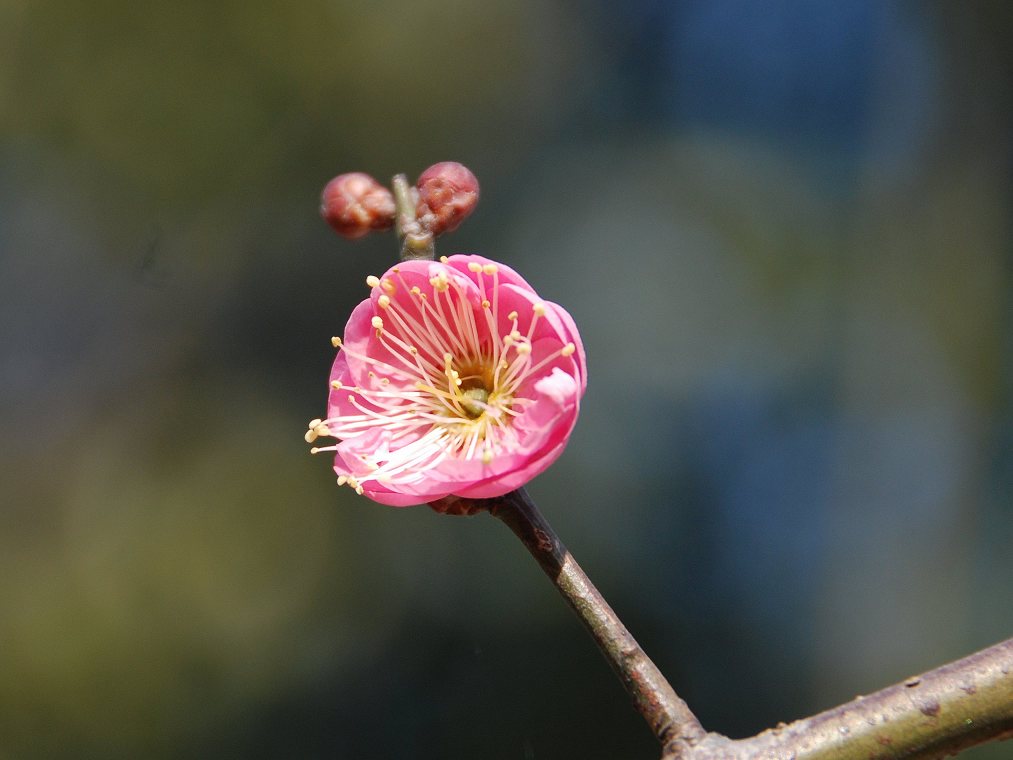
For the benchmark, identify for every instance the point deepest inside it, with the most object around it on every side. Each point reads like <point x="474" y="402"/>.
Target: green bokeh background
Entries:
<point x="784" y="230"/>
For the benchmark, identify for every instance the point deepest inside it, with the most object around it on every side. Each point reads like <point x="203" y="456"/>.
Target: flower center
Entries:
<point x="474" y="401"/>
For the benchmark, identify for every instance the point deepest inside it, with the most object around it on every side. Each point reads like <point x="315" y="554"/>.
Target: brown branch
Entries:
<point x="669" y="717"/>
<point x="938" y="713"/>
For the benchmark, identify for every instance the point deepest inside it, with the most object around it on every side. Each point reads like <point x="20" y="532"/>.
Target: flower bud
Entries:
<point x="354" y="204"/>
<point x="448" y="193"/>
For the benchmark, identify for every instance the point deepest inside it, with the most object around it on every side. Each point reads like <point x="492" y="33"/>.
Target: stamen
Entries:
<point x="373" y="281"/>
<point x="336" y="341"/>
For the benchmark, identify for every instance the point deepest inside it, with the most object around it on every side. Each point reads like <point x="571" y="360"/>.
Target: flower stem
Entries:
<point x="416" y="242"/>
<point x="668" y="716"/>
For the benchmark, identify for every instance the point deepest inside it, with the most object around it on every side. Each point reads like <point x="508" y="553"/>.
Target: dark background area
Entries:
<point x="784" y="229"/>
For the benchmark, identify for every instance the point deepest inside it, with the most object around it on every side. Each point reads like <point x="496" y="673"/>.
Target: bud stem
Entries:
<point x="416" y="242"/>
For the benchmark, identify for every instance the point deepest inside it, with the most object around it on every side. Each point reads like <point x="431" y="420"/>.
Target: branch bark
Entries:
<point x="939" y="713"/>
<point x="669" y="717"/>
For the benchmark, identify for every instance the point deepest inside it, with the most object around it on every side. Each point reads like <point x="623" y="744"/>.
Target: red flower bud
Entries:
<point x="448" y="193"/>
<point x="354" y="204"/>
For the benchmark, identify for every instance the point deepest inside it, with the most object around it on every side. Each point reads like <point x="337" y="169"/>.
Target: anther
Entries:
<point x="444" y="260"/>
<point x="490" y="269"/>
<point x="568" y="349"/>
<point x="512" y="316"/>
<point x="388" y="285"/>
<point x="485" y="303"/>
<point x="336" y="385"/>
<point x="373" y="281"/>
<point x="336" y="341"/>
<point x="377" y="323"/>
<point x="474" y="266"/>
<point x="440" y="282"/>
<point x="539" y="309"/>
<point x="383" y="301"/>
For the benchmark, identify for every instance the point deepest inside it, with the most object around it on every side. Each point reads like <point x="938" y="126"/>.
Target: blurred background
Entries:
<point x="784" y="229"/>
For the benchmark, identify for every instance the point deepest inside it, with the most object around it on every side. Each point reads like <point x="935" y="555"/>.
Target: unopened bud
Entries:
<point x="355" y="204"/>
<point x="448" y="193"/>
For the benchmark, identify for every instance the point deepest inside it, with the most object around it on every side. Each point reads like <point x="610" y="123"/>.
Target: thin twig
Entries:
<point x="415" y="241"/>
<point x="669" y="717"/>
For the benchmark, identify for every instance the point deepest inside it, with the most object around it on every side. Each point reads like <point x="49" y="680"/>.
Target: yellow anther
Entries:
<point x="314" y="423"/>
<point x="485" y="303"/>
<point x="314" y="450"/>
<point x="311" y="435"/>
<point x="515" y="335"/>
<point x="486" y="457"/>
<point x="377" y="323"/>
<point x="342" y="479"/>
<point x="474" y="266"/>
<point x="440" y="282"/>
<point x="447" y="357"/>
<point x="568" y="349"/>
<point x="512" y="316"/>
<point x="412" y="350"/>
<point x="490" y="269"/>
<point x="336" y="385"/>
<point x="539" y="309"/>
<point x="444" y="260"/>
<point x="384" y="381"/>
<point x="372" y="281"/>
<point x="524" y="348"/>
<point x="336" y="341"/>
<point x="388" y="285"/>
<point x="416" y="290"/>
<point x="383" y="301"/>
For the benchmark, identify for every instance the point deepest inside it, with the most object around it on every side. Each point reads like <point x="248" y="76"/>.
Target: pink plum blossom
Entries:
<point x="453" y="377"/>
